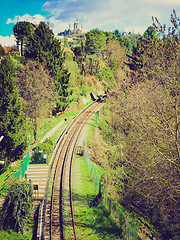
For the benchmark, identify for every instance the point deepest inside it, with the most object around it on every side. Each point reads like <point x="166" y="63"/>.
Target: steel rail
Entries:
<point x="70" y="174"/>
<point x="62" y="179"/>
<point x="54" y="157"/>
<point x="40" y="233"/>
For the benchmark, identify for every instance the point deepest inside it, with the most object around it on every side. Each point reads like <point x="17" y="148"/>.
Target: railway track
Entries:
<point x="56" y="216"/>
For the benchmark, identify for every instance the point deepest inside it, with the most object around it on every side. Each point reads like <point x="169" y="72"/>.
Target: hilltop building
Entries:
<point x="76" y="29"/>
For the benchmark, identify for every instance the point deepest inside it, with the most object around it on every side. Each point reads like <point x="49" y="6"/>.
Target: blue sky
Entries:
<point x="124" y="15"/>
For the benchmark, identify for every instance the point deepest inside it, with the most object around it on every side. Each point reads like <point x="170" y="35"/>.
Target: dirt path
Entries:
<point x="52" y="131"/>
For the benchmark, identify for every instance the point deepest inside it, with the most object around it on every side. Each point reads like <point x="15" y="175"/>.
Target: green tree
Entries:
<point x="117" y="33"/>
<point x="143" y="128"/>
<point x="75" y="80"/>
<point x="17" y="206"/>
<point x="149" y="38"/>
<point x="11" y="115"/>
<point x="95" y="41"/>
<point x="150" y="33"/>
<point x="66" y="43"/>
<point x="129" y="42"/>
<point x="2" y="52"/>
<point x="45" y="48"/>
<point x="22" y="30"/>
<point x="42" y="148"/>
<point x="36" y="88"/>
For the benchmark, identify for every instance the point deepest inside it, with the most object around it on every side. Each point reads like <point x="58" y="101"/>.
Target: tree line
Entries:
<point x="37" y="84"/>
<point x="32" y="85"/>
<point x="139" y="142"/>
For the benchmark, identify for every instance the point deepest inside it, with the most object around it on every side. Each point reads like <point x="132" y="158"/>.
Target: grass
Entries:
<point x="92" y="223"/>
<point x="57" y="134"/>
<point x="6" y="178"/>
<point x="50" y="124"/>
<point x="10" y="235"/>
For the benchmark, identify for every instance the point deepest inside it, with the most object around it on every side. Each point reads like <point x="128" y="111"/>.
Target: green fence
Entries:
<point x="116" y="211"/>
<point x="21" y="172"/>
<point x="92" y="171"/>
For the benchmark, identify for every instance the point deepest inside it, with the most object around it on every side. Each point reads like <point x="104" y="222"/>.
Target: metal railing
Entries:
<point x="21" y="172"/>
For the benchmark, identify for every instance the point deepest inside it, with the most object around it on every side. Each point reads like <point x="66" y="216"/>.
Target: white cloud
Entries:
<point x="135" y="29"/>
<point x="57" y="25"/>
<point x="8" y="41"/>
<point x="124" y="15"/>
<point x="167" y="2"/>
<point x="109" y="14"/>
<point x="34" y="19"/>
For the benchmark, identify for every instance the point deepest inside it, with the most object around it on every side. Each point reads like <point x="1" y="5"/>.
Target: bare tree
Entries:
<point x="36" y="89"/>
<point x="143" y="135"/>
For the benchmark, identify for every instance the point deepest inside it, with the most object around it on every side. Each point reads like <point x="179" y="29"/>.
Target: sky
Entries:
<point x="123" y="15"/>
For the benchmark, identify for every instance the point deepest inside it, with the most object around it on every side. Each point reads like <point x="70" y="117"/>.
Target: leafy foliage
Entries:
<point x="11" y="115"/>
<point x="2" y="52"/>
<point x="141" y="135"/>
<point x="95" y="41"/>
<point x="17" y="206"/>
<point x="150" y="37"/>
<point x="106" y="74"/>
<point x="44" y="48"/>
<point x="46" y="147"/>
<point x="75" y="79"/>
<point x="8" y="235"/>
<point x="150" y="33"/>
<point x="114" y="54"/>
<point x="66" y="43"/>
<point x="36" y="89"/>
<point x="129" y="42"/>
<point x="22" y="30"/>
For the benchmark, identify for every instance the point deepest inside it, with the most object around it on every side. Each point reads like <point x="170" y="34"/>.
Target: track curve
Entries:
<point x="55" y="217"/>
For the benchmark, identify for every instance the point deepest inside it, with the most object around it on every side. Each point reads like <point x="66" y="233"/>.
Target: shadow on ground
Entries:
<point x="95" y="220"/>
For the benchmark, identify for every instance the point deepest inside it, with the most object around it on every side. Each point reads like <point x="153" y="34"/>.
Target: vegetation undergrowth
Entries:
<point x="50" y="124"/>
<point x="6" y="178"/>
<point x="136" y="143"/>
<point x="127" y="218"/>
<point x="9" y="235"/>
<point x="91" y="222"/>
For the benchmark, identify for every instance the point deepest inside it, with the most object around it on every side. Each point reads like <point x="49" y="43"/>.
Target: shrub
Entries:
<point x="42" y="148"/>
<point x="17" y="206"/>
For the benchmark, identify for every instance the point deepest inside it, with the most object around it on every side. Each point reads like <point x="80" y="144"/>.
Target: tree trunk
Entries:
<point x="35" y="128"/>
